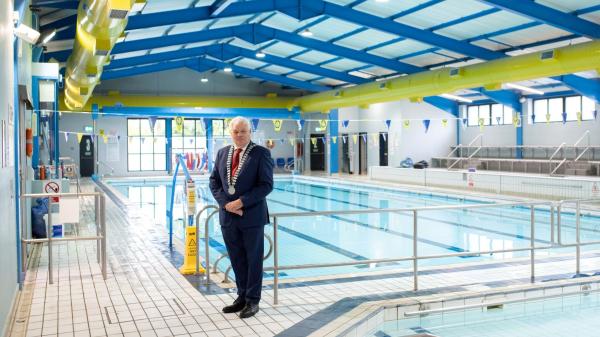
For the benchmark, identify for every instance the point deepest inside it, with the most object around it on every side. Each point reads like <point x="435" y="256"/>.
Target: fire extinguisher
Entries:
<point x="28" y="142"/>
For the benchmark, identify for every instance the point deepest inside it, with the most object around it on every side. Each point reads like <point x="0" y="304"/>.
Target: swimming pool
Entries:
<point x="560" y="316"/>
<point x="341" y="238"/>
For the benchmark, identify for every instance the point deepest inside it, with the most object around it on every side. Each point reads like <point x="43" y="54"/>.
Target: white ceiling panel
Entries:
<point x="389" y="8"/>
<point x="155" y="6"/>
<point x="344" y="65"/>
<point x="229" y="22"/>
<point x="483" y="25"/>
<point x="366" y="39"/>
<point x="283" y="49"/>
<point x="400" y="48"/>
<point x="146" y="33"/>
<point x="330" y="82"/>
<point x="442" y="12"/>
<point x="189" y="27"/>
<point x="530" y="35"/>
<point x="593" y="17"/>
<point x="302" y="76"/>
<point x="273" y="69"/>
<point x="313" y="57"/>
<point x="568" y="6"/>
<point x="249" y="63"/>
<point x="332" y="28"/>
<point x="130" y="54"/>
<point x="165" y="49"/>
<point x="286" y="23"/>
<point x="378" y="71"/>
<point x="426" y="59"/>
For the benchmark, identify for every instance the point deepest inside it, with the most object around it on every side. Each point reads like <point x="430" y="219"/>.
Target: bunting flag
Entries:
<point x="444" y="123"/>
<point x="345" y="123"/>
<point x="532" y="118"/>
<point x="79" y="136"/>
<point x="282" y="141"/>
<point x="426" y="123"/>
<point x="66" y="137"/>
<point x="384" y="137"/>
<point x="324" y="139"/>
<point x="564" y="118"/>
<point x="152" y="121"/>
<point x="498" y="120"/>
<point x="179" y="124"/>
<point x="118" y="138"/>
<point x="291" y="141"/>
<point x="101" y="133"/>
<point x="300" y="124"/>
<point x="355" y="138"/>
<point x="374" y="137"/>
<point x="277" y="124"/>
<point x="142" y="140"/>
<point x="105" y="138"/>
<point x="579" y="117"/>
<point x="313" y="140"/>
<point x="406" y="124"/>
<point x="465" y="122"/>
<point x="255" y="122"/>
<point x="364" y="137"/>
<point x="206" y="123"/>
<point x="548" y="118"/>
<point x="481" y="123"/>
<point x="516" y="121"/>
<point x="323" y="124"/>
<point x="334" y="139"/>
<point x="388" y="122"/>
<point x="344" y="139"/>
<point x="92" y="138"/>
<point x="595" y="115"/>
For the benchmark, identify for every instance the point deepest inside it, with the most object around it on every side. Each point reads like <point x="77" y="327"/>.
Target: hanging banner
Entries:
<point x="323" y="124"/>
<point x="355" y="138"/>
<point x="444" y="123"/>
<point x="406" y="124"/>
<point x="79" y="136"/>
<point x="152" y="121"/>
<point x="255" y="122"/>
<point x="324" y="139"/>
<point x="277" y="124"/>
<point x="313" y="140"/>
<point x="426" y="123"/>
<point x="374" y="137"/>
<point x="345" y="123"/>
<point x="334" y="139"/>
<point x="388" y="122"/>
<point x="595" y="115"/>
<point x="179" y="124"/>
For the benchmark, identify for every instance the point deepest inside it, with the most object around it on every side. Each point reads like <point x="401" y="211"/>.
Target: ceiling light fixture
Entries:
<point x="456" y="98"/>
<point x="260" y="54"/>
<point x="204" y="80"/>
<point x="381" y="1"/>
<point x="49" y="37"/>
<point x="306" y="33"/>
<point x="524" y="88"/>
<point x="227" y="69"/>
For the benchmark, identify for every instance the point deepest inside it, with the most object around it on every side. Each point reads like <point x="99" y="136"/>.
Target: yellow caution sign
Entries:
<point x="189" y="257"/>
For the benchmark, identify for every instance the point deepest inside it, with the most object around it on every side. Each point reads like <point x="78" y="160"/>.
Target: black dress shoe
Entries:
<point x="237" y="305"/>
<point x="249" y="310"/>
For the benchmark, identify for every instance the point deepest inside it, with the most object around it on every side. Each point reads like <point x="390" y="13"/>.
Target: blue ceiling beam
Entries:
<point x="70" y="4"/>
<point x="156" y="58"/>
<point x="585" y="86"/>
<point x="68" y="21"/>
<point x="444" y="104"/>
<point x="114" y="74"/>
<point x="549" y="16"/>
<point x="65" y="34"/>
<point x="203" y="63"/>
<point x="197" y="113"/>
<point x="220" y="6"/>
<point x="415" y="9"/>
<point x="504" y="97"/>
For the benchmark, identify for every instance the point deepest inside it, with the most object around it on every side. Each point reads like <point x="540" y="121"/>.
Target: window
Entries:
<point x="492" y="114"/>
<point x="191" y="139"/>
<point x="571" y="105"/>
<point x="220" y="129"/>
<point x="146" y="148"/>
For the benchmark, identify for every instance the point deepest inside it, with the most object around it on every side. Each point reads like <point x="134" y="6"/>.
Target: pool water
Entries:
<point x="567" y="316"/>
<point x="343" y="237"/>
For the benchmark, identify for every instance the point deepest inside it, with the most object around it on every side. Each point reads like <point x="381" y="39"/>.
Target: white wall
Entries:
<point x="402" y="142"/>
<point x="8" y="245"/>
<point x="75" y="122"/>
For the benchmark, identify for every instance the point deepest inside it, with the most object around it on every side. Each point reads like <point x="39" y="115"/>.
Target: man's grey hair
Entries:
<point x="240" y="119"/>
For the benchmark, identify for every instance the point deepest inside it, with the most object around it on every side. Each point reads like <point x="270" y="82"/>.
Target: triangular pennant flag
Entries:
<point x="105" y="138"/>
<point x="92" y="138"/>
<point x="595" y="115"/>
<point x="178" y="124"/>
<point x="388" y="122"/>
<point x="465" y="122"/>
<point x="481" y="123"/>
<point x="152" y="121"/>
<point x="548" y="118"/>
<point x="406" y="124"/>
<point x="277" y="124"/>
<point x="564" y="118"/>
<point x="255" y="122"/>
<point x="532" y="118"/>
<point x="323" y="124"/>
<point x="344" y="139"/>
<point x="324" y="139"/>
<point x="118" y="138"/>
<point x="291" y="141"/>
<point x="66" y="137"/>
<point x="444" y="123"/>
<point x="301" y="124"/>
<point x="101" y="132"/>
<point x="374" y="137"/>
<point x="313" y="140"/>
<point x="498" y="120"/>
<point x="364" y="137"/>
<point x="426" y="123"/>
<point x="384" y="135"/>
<point x="517" y="121"/>
<point x="334" y="139"/>
<point x="355" y="138"/>
<point x="579" y="117"/>
<point x="79" y="136"/>
<point x="345" y="123"/>
<point x="281" y="141"/>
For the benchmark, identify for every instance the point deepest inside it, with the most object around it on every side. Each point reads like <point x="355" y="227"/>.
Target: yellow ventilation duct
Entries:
<point x="99" y="24"/>
<point x="566" y="60"/>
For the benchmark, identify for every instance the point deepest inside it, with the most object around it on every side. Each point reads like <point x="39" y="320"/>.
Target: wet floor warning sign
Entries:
<point x="191" y="249"/>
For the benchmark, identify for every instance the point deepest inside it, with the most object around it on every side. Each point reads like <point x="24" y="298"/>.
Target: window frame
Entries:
<point x="541" y="117"/>
<point x="139" y="135"/>
<point x="489" y="119"/>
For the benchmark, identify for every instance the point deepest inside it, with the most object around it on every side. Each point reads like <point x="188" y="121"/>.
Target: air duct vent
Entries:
<point x="547" y="55"/>
<point x="118" y="14"/>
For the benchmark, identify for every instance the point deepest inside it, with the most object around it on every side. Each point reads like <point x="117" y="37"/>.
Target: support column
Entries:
<point x="333" y="147"/>
<point x="519" y="151"/>
<point x="55" y="122"/>
<point x="169" y="143"/>
<point x="209" y="142"/>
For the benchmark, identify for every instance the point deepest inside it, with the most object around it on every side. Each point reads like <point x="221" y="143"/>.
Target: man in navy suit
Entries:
<point x="240" y="182"/>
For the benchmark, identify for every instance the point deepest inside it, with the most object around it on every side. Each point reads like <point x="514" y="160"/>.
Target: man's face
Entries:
<point x="240" y="134"/>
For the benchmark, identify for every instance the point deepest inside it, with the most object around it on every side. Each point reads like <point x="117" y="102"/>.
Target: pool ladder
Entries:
<point x="207" y="246"/>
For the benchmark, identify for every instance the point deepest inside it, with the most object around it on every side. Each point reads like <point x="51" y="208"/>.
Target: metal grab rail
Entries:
<point x="206" y="237"/>
<point x="552" y="157"/>
<point x="226" y="278"/>
<point x="100" y="237"/>
<point x="479" y="137"/>
<point x="415" y="257"/>
<point x="586" y="133"/>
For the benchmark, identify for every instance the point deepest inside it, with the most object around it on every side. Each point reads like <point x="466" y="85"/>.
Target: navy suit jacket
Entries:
<point x="254" y="183"/>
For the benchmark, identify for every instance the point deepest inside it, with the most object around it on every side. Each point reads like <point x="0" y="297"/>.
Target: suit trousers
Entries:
<point x="245" y="247"/>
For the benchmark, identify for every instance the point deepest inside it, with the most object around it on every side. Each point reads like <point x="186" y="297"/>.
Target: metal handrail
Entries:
<point x="586" y="133"/>
<point x="552" y="157"/>
<point x="460" y="159"/>
<point x="112" y="169"/>
<point x="100" y="237"/>
<point x="226" y="278"/>
<point x="415" y="257"/>
<point x="206" y="239"/>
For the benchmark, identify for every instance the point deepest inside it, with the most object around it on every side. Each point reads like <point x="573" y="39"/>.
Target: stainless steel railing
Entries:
<point x="100" y="222"/>
<point x="206" y="239"/>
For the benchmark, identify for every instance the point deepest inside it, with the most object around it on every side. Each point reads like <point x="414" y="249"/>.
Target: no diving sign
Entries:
<point x="52" y="187"/>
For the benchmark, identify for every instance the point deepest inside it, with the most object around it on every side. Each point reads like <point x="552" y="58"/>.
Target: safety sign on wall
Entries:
<point x="52" y="187"/>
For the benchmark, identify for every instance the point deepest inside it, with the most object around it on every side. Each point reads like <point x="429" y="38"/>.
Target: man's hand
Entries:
<point x="238" y="212"/>
<point x="234" y="206"/>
